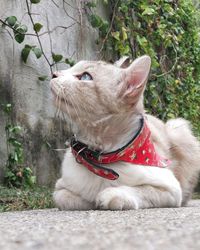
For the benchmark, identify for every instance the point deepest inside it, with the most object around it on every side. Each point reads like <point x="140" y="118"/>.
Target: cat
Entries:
<point x="104" y="103"/>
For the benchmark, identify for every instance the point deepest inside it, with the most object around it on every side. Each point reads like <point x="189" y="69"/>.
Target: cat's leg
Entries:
<point x="145" y="196"/>
<point x="67" y="200"/>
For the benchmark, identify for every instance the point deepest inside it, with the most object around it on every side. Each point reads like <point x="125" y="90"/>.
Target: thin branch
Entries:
<point x="79" y="7"/>
<point x="50" y="40"/>
<point x="63" y="27"/>
<point x="172" y="68"/>
<point x="110" y="28"/>
<point x="64" y="2"/>
<point x="8" y="33"/>
<point x="69" y="5"/>
<point x="55" y="3"/>
<point x="38" y="38"/>
<point x="41" y="34"/>
<point x="21" y="33"/>
<point x="7" y="25"/>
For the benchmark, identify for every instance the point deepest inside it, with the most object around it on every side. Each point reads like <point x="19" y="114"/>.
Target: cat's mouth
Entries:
<point x="59" y="96"/>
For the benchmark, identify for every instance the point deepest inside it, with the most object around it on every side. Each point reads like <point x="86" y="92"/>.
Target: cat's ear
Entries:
<point x="123" y="62"/>
<point x="136" y="76"/>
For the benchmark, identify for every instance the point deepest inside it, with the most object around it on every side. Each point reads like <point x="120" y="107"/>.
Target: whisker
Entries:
<point x="76" y="108"/>
<point x="70" y="118"/>
<point x="58" y="101"/>
<point x="59" y="105"/>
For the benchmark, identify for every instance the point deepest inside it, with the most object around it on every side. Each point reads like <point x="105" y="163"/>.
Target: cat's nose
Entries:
<point x="55" y="75"/>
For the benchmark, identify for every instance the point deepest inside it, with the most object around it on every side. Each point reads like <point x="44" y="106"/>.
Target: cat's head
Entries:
<point x="93" y="90"/>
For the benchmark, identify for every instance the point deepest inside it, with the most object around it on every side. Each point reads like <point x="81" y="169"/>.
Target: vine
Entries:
<point x="17" y="174"/>
<point x="20" y="32"/>
<point x="168" y="31"/>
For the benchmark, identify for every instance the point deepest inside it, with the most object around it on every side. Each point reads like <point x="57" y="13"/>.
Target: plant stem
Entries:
<point x="38" y="38"/>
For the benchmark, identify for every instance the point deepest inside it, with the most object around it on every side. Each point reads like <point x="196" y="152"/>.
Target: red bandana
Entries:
<point x="139" y="151"/>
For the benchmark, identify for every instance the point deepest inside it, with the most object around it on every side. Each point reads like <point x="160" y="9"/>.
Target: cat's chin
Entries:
<point x="60" y="101"/>
<point x="58" y="96"/>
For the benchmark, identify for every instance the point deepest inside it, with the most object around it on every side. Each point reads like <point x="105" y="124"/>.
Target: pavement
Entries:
<point x="165" y="228"/>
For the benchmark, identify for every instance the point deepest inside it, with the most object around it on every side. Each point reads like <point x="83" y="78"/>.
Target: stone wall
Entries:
<point x="19" y="84"/>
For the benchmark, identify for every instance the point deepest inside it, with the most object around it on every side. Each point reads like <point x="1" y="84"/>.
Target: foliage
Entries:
<point x="20" y="31"/>
<point x="16" y="174"/>
<point x="27" y="49"/>
<point x="166" y="30"/>
<point x="13" y="199"/>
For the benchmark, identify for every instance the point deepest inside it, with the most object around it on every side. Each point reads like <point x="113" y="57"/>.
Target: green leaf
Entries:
<point x="27" y="171"/>
<point x="95" y="21"/>
<point x="124" y="8"/>
<point x="32" y="180"/>
<point x="25" y="52"/>
<point x="116" y="35"/>
<point x="70" y="62"/>
<point x="57" y="57"/>
<point x="28" y="46"/>
<point x="37" y="27"/>
<point x="8" y="108"/>
<point x="47" y="144"/>
<point x="14" y="142"/>
<point x="37" y="52"/>
<point x="124" y="34"/>
<point x="42" y="78"/>
<point x="148" y="11"/>
<point x="15" y="129"/>
<point x="171" y="115"/>
<point x="16" y="159"/>
<point x="142" y="41"/>
<point x="23" y="28"/>
<point x="19" y="37"/>
<point x="91" y="4"/>
<point x="35" y="1"/>
<point x="11" y="20"/>
<point x="104" y="28"/>
<point x="19" y="32"/>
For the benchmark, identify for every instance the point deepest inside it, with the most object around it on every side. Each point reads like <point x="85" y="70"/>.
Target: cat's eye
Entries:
<point x="85" y="77"/>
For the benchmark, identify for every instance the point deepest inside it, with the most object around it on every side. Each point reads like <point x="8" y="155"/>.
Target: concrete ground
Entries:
<point x="166" y="228"/>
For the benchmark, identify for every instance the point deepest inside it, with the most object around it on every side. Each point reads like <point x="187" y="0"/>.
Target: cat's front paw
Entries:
<point x="116" y="198"/>
<point x="66" y="200"/>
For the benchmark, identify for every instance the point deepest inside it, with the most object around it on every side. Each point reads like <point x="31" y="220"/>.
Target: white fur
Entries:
<point x="106" y="112"/>
<point x="92" y="189"/>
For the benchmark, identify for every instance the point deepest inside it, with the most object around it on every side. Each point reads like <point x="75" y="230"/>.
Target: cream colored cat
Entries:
<point x="104" y="103"/>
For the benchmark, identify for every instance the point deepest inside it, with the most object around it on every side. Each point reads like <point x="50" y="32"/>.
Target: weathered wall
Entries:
<point x="33" y="109"/>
